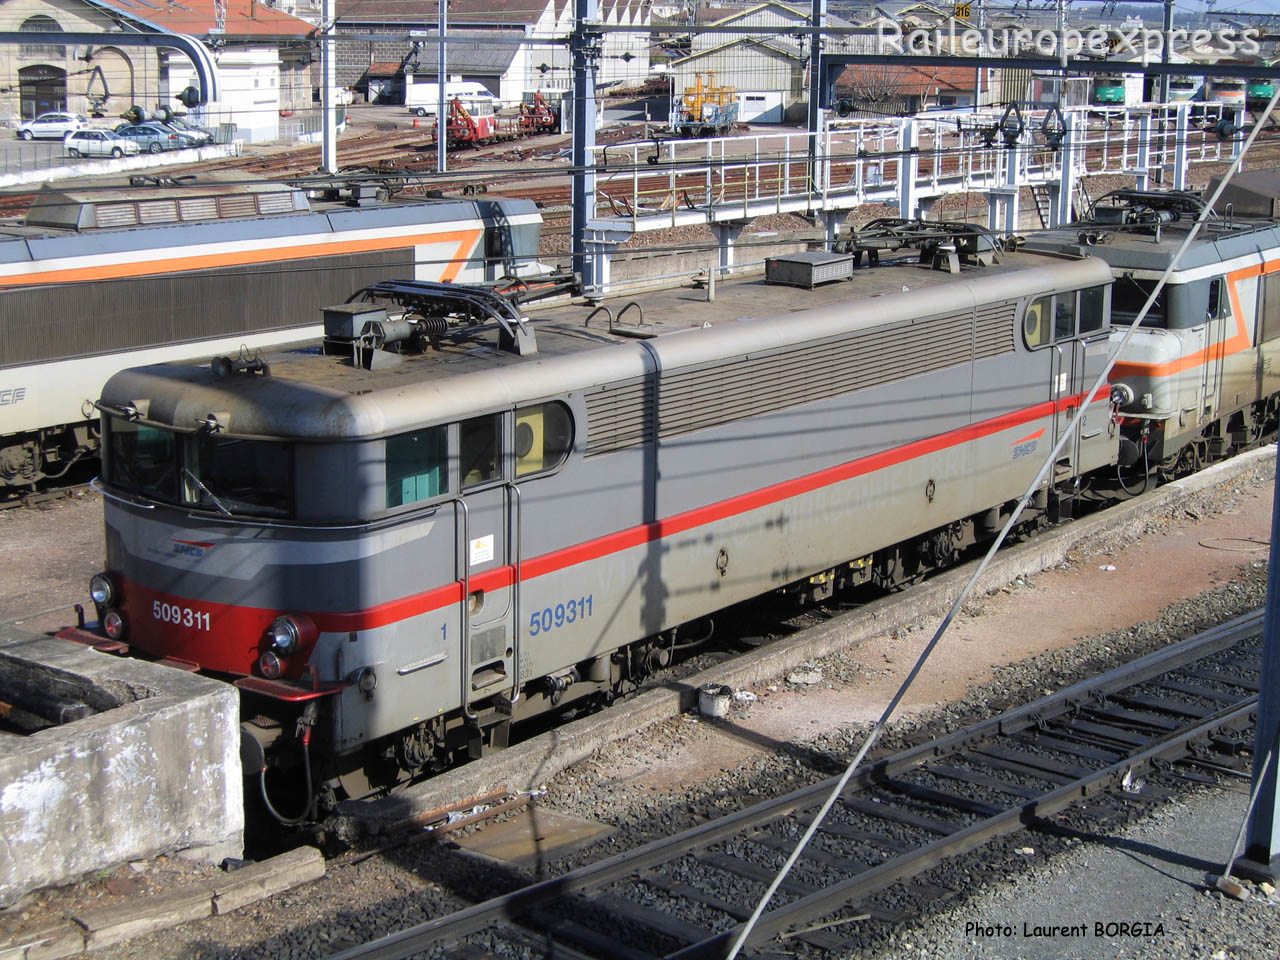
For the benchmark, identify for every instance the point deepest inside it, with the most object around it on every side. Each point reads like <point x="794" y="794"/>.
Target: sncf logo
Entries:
<point x="191" y="548"/>
<point x="1027" y="445"/>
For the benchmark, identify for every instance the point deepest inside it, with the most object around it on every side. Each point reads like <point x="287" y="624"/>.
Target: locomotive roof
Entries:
<point x="313" y="396"/>
<point x="1134" y="249"/>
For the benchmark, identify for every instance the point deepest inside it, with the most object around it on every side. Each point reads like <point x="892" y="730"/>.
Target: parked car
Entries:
<point x="98" y="143"/>
<point x="51" y="126"/>
<point x="201" y="135"/>
<point x="154" y="137"/>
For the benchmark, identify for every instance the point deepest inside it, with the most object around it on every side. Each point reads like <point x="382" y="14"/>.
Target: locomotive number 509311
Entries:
<point x="549" y="618"/>
<point x="179" y="616"/>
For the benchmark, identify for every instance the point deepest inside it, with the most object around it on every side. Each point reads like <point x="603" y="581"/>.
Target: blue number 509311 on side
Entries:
<point x="549" y="618"/>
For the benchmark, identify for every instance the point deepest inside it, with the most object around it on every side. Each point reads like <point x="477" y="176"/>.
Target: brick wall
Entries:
<point x="354" y="56"/>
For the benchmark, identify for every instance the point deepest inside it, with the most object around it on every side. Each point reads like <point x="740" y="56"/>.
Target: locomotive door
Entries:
<point x="1066" y="383"/>
<point x="484" y="554"/>
<point x="1215" y="336"/>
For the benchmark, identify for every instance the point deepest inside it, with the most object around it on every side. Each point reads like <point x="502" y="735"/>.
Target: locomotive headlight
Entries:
<point x="113" y="624"/>
<point x="285" y="635"/>
<point x="270" y="665"/>
<point x="100" y="589"/>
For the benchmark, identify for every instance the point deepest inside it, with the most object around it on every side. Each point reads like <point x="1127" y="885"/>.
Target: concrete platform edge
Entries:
<point x="101" y="927"/>
<point x="535" y="761"/>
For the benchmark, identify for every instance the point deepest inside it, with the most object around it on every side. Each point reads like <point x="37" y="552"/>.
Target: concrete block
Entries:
<point x="108" y="925"/>
<point x="155" y="770"/>
<point x="55" y="943"/>
<point x="250" y="884"/>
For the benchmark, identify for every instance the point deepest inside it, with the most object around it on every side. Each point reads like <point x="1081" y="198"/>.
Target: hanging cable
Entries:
<point x="1043" y="473"/>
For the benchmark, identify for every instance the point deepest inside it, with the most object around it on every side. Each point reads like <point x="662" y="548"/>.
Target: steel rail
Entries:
<point x="970" y="838"/>
<point x="508" y="907"/>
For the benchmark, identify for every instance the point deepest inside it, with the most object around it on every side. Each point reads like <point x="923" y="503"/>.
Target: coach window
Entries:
<point x="142" y="459"/>
<point x="1035" y="322"/>
<point x="417" y="465"/>
<point x="233" y="475"/>
<point x="544" y="437"/>
<point x="480" y="449"/>
<point x="1093" y="312"/>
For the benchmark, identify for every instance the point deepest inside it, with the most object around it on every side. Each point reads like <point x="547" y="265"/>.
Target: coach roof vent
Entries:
<point x="118" y="202"/>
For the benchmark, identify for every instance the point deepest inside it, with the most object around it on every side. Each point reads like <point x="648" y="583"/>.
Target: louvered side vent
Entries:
<point x="710" y="396"/>
<point x="275" y="203"/>
<point x="198" y="208"/>
<point x="619" y="417"/>
<point x="994" y="334"/>
<point x="243" y="206"/>
<point x="157" y="211"/>
<point x="115" y="214"/>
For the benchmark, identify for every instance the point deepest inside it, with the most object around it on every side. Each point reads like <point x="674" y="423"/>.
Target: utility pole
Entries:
<point x="585" y="47"/>
<point x="328" y="75"/>
<point x="1262" y="848"/>
<point x="977" y="79"/>
<point x="442" y="123"/>
<point x="1062" y="50"/>
<point x="1164" y="49"/>
<point x="818" y="20"/>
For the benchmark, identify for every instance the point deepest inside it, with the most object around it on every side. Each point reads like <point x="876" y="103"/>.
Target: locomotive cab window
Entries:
<point x="1035" y="322"/>
<point x="1219" y="301"/>
<point x="480" y="449"/>
<point x="543" y="439"/>
<point x="142" y="459"/>
<point x="1093" y="309"/>
<point x="233" y="475"/>
<point x="1064" y="316"/>
<point x="1127" y="298"/>
<point x="417" y="466"/>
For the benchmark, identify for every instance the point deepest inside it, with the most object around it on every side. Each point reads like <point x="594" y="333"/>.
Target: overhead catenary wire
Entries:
<point x="956" y="605"/>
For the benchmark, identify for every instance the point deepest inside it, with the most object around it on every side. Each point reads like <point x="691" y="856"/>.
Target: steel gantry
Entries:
<point x="905" y="162"/>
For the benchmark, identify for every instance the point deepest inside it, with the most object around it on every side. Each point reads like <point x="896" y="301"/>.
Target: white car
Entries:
<point x="51" y="126"/>
<point x="98" y="143"/>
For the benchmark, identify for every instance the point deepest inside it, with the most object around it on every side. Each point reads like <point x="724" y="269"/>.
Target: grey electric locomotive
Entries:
<point x="1199" y="379"/>
<point x="455" y="516"/>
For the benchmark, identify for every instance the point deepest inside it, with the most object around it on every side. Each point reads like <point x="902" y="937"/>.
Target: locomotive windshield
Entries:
<point x="1127" y="297"/>
<point x="238" y="476"/>
<point x="142" y="459"/>
<point x="203" y="470"/>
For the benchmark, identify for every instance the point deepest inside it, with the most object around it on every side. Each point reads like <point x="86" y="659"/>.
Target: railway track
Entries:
<point x="1185" y="708"/>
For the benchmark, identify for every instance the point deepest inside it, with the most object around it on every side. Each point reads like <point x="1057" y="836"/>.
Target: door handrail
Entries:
<point x="515" y="521"/>
<point x="465" y="640"/>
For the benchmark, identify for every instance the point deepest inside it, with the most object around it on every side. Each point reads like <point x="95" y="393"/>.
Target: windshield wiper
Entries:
<point x="196" y="480"/>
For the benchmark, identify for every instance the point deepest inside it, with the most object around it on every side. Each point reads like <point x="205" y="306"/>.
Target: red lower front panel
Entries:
<point x="219" y="637"/>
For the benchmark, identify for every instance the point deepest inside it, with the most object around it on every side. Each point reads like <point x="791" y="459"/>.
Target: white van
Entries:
<point x="423" y="99"/>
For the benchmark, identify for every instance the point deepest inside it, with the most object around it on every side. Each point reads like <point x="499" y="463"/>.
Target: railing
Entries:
<point x="886" y="160"/>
